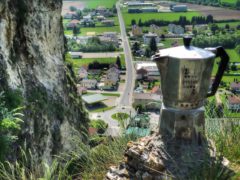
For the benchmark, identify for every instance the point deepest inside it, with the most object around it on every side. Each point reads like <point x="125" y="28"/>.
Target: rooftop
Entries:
<point x="233" y="100"/>
<point x="94" y="98"/>
<point x="235" y="85"/>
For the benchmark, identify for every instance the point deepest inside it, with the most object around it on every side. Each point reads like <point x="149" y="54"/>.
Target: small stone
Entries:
<point x="138" y="174"/>
<point x="146" y="176"/>
<point x="111" y="176"/>
<point x="154" y="162"/>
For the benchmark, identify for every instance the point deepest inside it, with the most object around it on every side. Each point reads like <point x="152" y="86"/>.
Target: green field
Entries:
<point x="85" y="61"/>
<point x="229" y="1"/>
<point x="99" y="29"/>
<point x="234" y="57"/>
<point x="168" y="16"/>
<point x="95" y="3"/>
<point x="231" y="24"/>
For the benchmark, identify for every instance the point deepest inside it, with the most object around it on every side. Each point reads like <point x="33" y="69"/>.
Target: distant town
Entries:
<point x="110" y="48"/>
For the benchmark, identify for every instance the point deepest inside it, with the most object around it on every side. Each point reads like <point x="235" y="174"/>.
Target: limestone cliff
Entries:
<point x="32" y="61"/>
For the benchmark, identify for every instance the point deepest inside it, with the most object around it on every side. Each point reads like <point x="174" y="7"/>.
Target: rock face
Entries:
<point x="32" y="62"/>
<point x="157" y="158"/>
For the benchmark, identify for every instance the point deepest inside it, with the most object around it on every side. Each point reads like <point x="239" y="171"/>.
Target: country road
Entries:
<point x="126" y="98"/>
<point x="124" y="104"/>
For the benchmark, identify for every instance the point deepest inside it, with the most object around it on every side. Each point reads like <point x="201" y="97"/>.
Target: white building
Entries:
<point x="147" y="38"/>
<point x="175" y="29"/>
<point x="180" y="8"/>
<point x="147" y="70"/>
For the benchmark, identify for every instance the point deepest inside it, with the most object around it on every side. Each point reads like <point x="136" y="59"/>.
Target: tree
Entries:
<point x="238" y="49"/>
<point x="9" y="127"/>
<point x="79" y="14"/>
<point x="209" y="19"/>
<point x="148" y="52"/>
<point x="72" y="8"/>
<point x="153" y="45"/>
<point x="214" y="28"/>
<point x="136" y="47"/>
<point x="118" y="62"/>
<point x="76" y="30"/>
<point x="238" y="4"/>
<point x="133" y="22"/>
<point x="227" y="27"/>
<point x="140" y="22"/>
<point x="163" y="37"/>
<point x="234" y="67"/>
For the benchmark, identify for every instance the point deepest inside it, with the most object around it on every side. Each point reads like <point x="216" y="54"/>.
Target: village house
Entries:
<point x="89" y="83"/>
<point x="155" y="29"/>
<point x="233" y="103"/>
<point x="147" y="70"/>
<point x="141" y="74"/>
<point x="175" y="29"/>
<point x="100" y="18"/>
<point x="70" y="15"/>
<point x="179" y="8"/>
<point x="147" y="38"/>
<point x="87" y="19"/>
<point x="110" y="37"/>
<point x="82" y="73"/>
<point x="235" y="86"/>
<point x="108" y="22"/>
<point x="72" y="24"/>
<point x="149" y="9"/>
<point x="148" y="100"/>
<point x="101" y="10"/>
<point x="111" y="80"/>
<point x="136" y="30"/>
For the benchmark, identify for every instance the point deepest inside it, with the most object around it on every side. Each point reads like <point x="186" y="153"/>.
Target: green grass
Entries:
<point x="234" y="57"/>
<point x="229" y="1"/>
<point x="231" y="24"/>
<point x="77" y="63"/>
<point x="120" y="116"/>
<point x="92" y="4"/>
<point x="168" y="16"/>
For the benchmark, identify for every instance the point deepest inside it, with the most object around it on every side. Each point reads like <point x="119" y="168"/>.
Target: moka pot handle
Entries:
<point x="220" y="52"/>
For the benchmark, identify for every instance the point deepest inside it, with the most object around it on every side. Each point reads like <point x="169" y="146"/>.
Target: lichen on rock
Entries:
<point x="32" y="61"/>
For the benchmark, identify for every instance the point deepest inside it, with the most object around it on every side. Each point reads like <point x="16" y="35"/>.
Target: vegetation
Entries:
<point x="77" y="63"/>
<point x="100" y="125"/>
<point x="10" y="121"/>
<point x="93" y="45"/>
<point x="168" y="16"/>
<point x="91" y="4"/>
<point x="93" y="163"/>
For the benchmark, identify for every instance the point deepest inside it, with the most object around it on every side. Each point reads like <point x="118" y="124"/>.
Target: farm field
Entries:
<point x="168" y="16"/>
<point x="231" y="24"/>
<point x="217" y="12"/>
<point x="229" y="1"/>
<point x="95" y="3"/>
<point x="85" y="61"/>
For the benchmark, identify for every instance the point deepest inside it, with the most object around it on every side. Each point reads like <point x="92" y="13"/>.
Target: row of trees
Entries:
<point x="182" y="21"/>
<point x="98" y="65"/>
<point x="229" y="41"/>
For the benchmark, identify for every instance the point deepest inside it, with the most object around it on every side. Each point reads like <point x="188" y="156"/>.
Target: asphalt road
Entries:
<point x="126" y="98"/>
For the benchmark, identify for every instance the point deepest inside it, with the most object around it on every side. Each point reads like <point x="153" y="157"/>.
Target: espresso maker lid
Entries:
<point x="187" y="52"/>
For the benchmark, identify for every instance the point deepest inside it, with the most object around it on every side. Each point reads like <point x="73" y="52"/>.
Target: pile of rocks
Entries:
<point x="155" y="158"/>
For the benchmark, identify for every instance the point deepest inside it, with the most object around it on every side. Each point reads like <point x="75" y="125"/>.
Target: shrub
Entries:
<point x="100" y="125"/>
